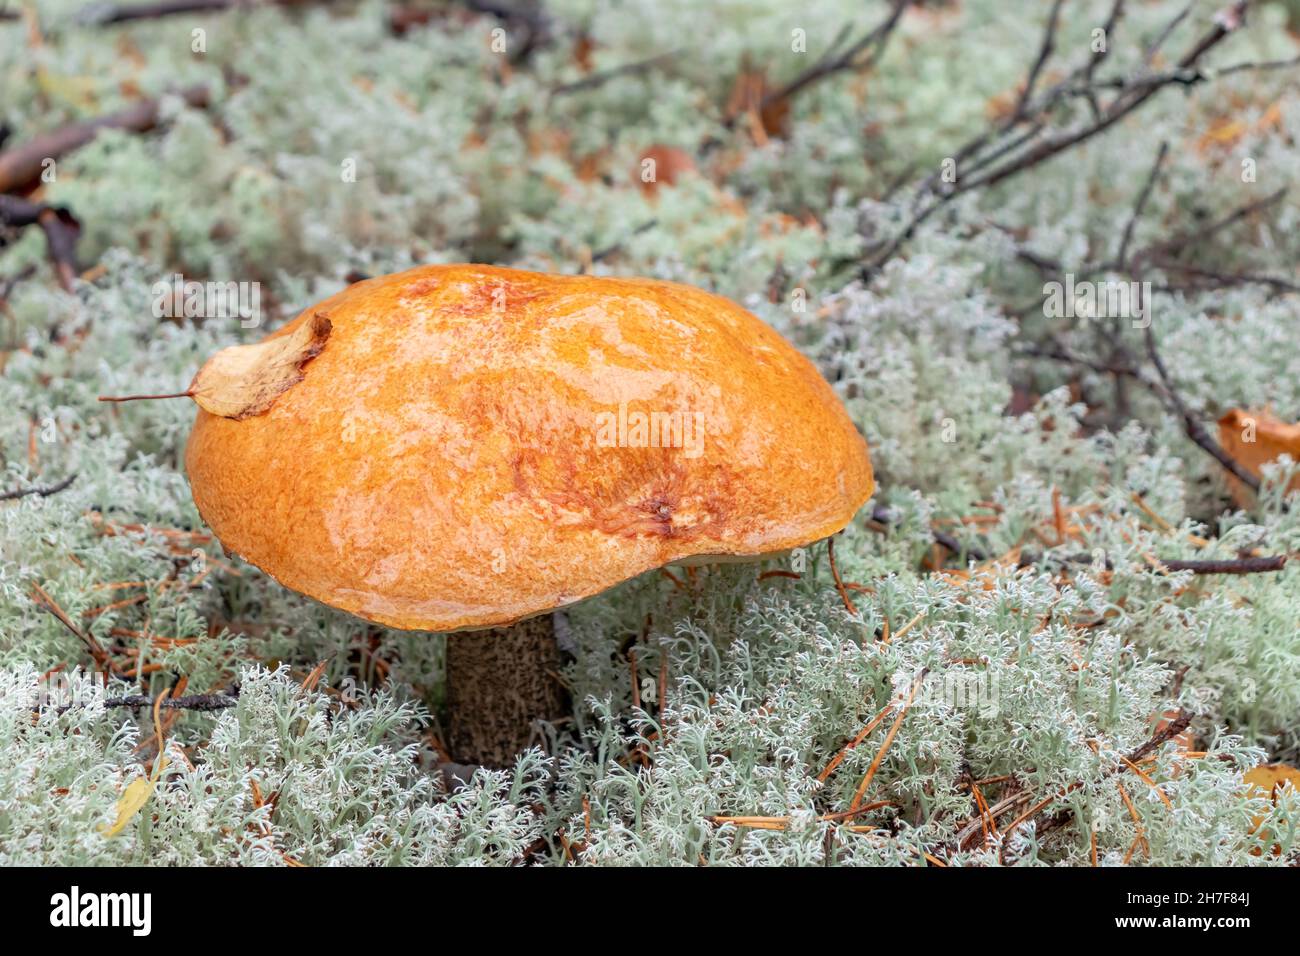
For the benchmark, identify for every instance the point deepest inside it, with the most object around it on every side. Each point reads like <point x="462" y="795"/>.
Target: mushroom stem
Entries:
<point x="498" y="683"/>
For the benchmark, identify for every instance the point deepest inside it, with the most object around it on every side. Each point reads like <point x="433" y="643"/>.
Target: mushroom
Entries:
<point x="467" y="449"/>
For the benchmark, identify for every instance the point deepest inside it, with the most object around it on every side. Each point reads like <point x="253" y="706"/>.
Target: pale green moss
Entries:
<point x="458" y="159"/>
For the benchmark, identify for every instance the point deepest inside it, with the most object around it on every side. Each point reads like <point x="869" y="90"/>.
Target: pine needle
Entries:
<point x="889" y="739"/>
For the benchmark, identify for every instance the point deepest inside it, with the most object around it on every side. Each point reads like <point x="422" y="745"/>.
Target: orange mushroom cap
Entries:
<point x="466" y="446"/>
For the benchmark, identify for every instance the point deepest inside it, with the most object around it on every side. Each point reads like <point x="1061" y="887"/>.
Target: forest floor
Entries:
<point x="1047" y="262"/>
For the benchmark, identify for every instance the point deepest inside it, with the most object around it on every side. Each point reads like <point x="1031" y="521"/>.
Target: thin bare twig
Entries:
<point x="1161" y="255"/>
<point x="1169" y="732"/>
<point x="857" y="56"/>
<point x="614" y="247"/>
<point x="107" y="14"/>
<point x="1252" y="565"/>
<point x="1166" y="32"/>
<point x="1045" y="51"/>
<point x="604" y="76"/>
<point x="1191" y="424"/>
<point x="219" y="701"/>
<point x="1145" y="194"/>
<point x="1258" y="565"/>
<point x="195" y="702"/>
<point x="43" y="492"/>
<point x="1020" y="142"/>
<point x="42" y="599"/>
<point x="1218" y="277"/>
<point x="1181" y="240"/>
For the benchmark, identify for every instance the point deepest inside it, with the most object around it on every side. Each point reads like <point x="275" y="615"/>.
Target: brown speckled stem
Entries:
<point x="498" y="683"/>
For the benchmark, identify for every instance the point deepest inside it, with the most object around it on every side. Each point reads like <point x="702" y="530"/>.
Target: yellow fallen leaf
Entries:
<point x="1262" y="780"/>
<point x="243" y="380"/>
<point x="129" y="803"/>
<point x="137" y="792"/>
<point x="77" y="91"/>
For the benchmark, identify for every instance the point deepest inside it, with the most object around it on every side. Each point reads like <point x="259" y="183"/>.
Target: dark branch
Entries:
<point x="219" y="701"/>
<point x="1181" y="240"/>
<point x="1254" y="565"/>
<point x="604" y="76"/>
<point x="1145" y="194"/>
<point x="882" y="515"/>
<point x="1191" y="424"/>
<point x="1166" y="32"/>
<point x="1069" y="358"/>
<point x="1258" y="565"/>
<point x="1045" y="51"/>
<point x="1116" y="11"/>
<point x="105" y="14"/>
<point x="43" y="492"/>
<point x="222" y="700"/>
<point x="1171" y="730"/>
<point x="1159" y="255"/>
<point x="857" y="56"/>
<point x="1219" y="278"/>
<point x="22" y="166"/>
<point x="61" y="230"/>
<point x="1019" y="142"/>
<point x="42" y="599"/>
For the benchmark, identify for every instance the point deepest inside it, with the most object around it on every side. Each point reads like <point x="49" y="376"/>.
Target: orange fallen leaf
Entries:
<point x="1254" y="438"/>
<point x="583" y="49"/>
<point x="662" y="166"/>
<point x="749" y="97"/>
<point x="1227" y="133"/>
<point x="1001" y="105"/>
<point x="550" y="140"/>
<point x="1272" y="117"/>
